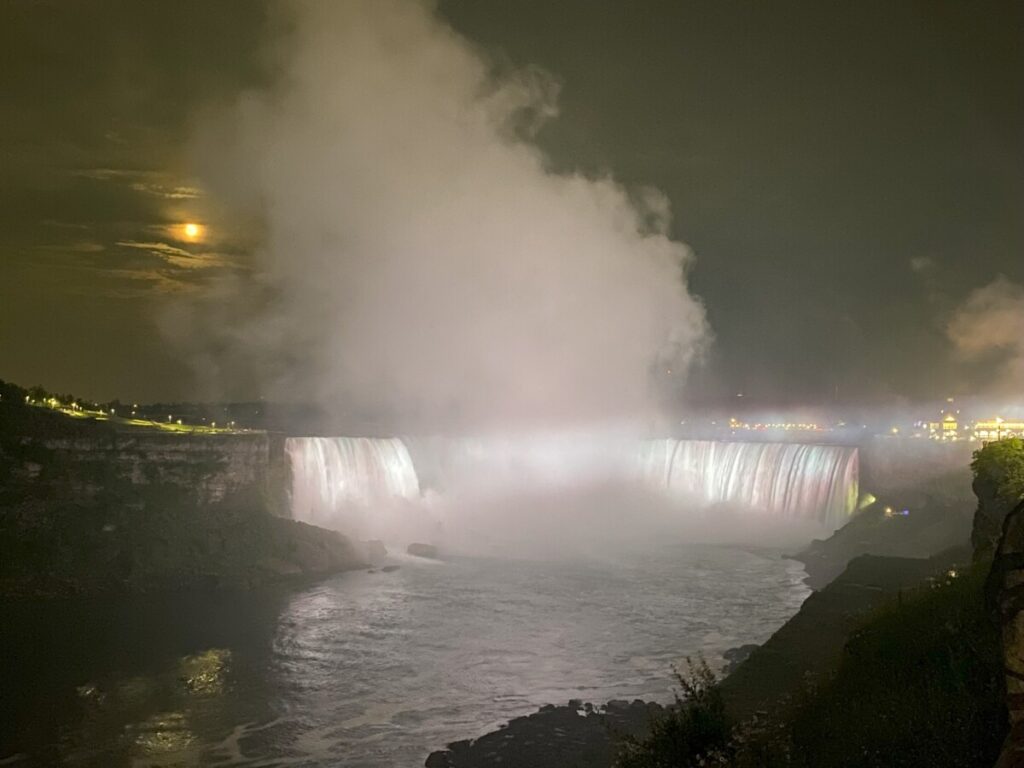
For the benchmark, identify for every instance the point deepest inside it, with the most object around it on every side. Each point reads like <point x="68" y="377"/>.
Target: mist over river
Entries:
<point x="372" y="668"/>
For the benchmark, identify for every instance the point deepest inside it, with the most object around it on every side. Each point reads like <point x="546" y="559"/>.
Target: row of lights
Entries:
<point x="53" y="402"/>
<point x="788" y="426"/>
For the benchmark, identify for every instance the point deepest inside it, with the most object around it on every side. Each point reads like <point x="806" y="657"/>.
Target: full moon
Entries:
<point x="192" y="231"/>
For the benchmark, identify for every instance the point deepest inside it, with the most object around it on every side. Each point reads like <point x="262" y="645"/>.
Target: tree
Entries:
<point x="695" y="732"/>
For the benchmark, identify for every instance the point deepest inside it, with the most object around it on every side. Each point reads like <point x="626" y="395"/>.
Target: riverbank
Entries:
<point x="808" y="645"/>
<point x="891" y="527"/>
<point x="574" y="735"/>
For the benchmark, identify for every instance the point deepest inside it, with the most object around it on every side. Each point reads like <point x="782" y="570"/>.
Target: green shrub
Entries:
<point x="695" y="732"/>
<point x="999" y="486"/>
<point x="1000" y="465"/>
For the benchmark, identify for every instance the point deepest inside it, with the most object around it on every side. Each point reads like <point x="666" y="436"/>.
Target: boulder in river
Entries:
<point x="374" y="551"/>
<point x="422" y="550"/>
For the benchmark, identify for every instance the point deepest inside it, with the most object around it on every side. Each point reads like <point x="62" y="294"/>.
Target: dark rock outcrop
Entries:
<point x="989" y="517"/>
<point x="422" y="550"/>
<point x="930" y="527"/>
<point x="1006" y="587"/>
<point x="736" y="656"/>
<point x="55" y="550"/>
<point x="86" y="507"/>
<point x="809" y="643"/>
<point x="576" y="734"/>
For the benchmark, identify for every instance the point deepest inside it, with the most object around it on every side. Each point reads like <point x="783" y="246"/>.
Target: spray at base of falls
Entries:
<point x="364" y="485"/>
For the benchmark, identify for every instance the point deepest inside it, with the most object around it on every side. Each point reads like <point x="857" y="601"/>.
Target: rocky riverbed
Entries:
<point x="575" y="734"/>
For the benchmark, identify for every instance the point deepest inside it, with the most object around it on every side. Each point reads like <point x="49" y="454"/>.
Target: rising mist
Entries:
<point x="420" y="258"/>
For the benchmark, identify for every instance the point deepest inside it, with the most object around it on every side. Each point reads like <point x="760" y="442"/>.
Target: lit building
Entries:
<point x="948" y="428"/>
<point x="997" y="429"/>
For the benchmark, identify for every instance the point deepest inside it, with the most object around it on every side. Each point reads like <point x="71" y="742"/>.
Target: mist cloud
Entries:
<point x="420" y="257"/>
<point x="990" y="323"/>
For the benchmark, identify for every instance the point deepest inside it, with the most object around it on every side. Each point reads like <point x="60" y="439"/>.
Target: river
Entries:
<point x="371" y="669"/>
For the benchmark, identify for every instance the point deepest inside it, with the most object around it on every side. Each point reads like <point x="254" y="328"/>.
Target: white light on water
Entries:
<point x="776" y="481"/>
<point x="332" y="473"/>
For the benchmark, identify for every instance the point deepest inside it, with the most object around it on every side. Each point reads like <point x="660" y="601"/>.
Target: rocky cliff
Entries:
<point x="1006" y="584"/>
<point x="202" y="470"/>
<point x="998" y="534"/>
<point x="87" y="507"/>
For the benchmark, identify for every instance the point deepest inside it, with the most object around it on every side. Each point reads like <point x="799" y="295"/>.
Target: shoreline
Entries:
<point x="808" y="643"/>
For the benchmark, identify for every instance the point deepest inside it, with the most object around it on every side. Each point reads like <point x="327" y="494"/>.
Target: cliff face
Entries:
<point x="85" y="508"/>
<point x="999" y="534"/>
<point x="989" y="516"/>
<point x="1006" y="584"/>
<point x="808" y="646"/>
<point x="48" y="456"/>
<point x="201" y="470"/>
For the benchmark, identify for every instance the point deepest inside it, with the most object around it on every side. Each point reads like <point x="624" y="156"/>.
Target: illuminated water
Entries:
<point x="329" y="473"/>
<point x="370" y="669"/>
<point x="785" y="481"/>
<point x="781" y="482"/>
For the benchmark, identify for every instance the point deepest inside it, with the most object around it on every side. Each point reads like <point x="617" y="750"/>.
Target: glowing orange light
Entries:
<point x="192" y="231"/>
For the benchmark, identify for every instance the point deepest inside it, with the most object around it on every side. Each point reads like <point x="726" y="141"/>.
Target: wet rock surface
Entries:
<point x="422" y="550"/>
<point x="570" y="736"/>
<point x="78" y="550"/>
<point x="736" y="656"/>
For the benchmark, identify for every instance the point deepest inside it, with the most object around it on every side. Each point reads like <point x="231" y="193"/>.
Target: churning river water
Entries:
<point x="371" y="668"/>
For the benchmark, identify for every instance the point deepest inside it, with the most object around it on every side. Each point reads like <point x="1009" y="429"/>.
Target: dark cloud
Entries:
<point x="96" y="104"/>
<point x="813" y="154"/>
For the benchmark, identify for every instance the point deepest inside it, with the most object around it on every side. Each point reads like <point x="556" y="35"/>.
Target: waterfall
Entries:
<point x="506" y="464"/>
<point x="785" y="481"/>
<point x="330" y="474"/>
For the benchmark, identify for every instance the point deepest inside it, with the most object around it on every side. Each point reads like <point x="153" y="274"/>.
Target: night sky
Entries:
<point x="846" y="174"/>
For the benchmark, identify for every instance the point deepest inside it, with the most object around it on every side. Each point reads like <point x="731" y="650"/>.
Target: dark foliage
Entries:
<point x="919" y="685"/>
<point x="696" y="732"/>
<point x="1000" y="464"/>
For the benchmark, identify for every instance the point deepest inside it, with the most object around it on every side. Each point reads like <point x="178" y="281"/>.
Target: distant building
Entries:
<point x="997" y="429"/>
<point x="947" y="428"/>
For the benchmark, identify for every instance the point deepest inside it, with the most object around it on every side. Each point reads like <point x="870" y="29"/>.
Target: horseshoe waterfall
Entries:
<point x="784" y="481"/>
